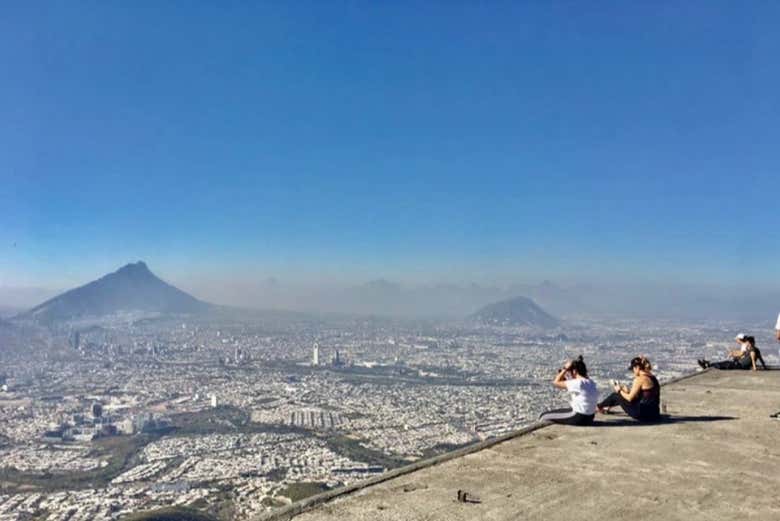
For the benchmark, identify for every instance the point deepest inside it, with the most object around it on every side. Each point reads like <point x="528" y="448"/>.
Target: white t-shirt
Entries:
<point x="584" y="395"/>
<point x="777" y="326"/>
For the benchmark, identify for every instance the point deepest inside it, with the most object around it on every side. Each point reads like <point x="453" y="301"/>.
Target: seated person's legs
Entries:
<point x="745" y="362"/>
<point x="566" y="416"/>
<point x="630" y="408"/>
<point x="610" y="401"/>
<point x="725" y="364"/>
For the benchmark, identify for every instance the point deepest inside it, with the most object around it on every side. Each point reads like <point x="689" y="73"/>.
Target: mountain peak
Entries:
<point x="132" y="287"/>
<point x="517" y="311"/>
<point x="134" y="267"/>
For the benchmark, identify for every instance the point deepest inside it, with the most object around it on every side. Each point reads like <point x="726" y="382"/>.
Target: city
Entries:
<point x="237" y="418"/>
<point x="379" y="237"/>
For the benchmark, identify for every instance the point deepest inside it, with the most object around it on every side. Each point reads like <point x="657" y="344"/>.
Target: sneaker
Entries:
<point x="702" y="363"/>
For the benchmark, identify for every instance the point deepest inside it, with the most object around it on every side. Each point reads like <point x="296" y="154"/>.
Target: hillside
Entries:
<point x="516" y="312"/>
<point x="131" y="288"/>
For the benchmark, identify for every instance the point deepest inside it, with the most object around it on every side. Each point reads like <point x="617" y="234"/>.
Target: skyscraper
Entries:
<point x="315" y="355"/>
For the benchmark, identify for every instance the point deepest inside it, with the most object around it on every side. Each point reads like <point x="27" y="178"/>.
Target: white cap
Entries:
<point x="741" y="336"/>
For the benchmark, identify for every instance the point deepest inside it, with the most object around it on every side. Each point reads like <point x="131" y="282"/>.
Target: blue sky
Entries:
<point x="448" y="141"/>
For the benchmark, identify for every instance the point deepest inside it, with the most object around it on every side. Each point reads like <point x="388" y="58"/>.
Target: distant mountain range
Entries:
<point x="131" y="288"/>
<point x="517" y="312"/>
<point x="134" y="287"/>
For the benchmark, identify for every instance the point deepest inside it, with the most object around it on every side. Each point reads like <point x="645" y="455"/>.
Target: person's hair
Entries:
<point x="751" y="340"/>
<point x="642" y="362"/>
<point x="578" y="365"/>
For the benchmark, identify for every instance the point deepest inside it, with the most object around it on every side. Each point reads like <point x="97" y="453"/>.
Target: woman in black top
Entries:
<point x="643" y="401"/>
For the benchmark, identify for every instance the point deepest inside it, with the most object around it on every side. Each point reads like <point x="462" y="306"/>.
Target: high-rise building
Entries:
<point x="75" y="340"/>
<point x="315" y="355"/>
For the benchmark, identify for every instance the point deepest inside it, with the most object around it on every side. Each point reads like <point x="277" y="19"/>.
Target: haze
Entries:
<point x="286" y="156"/>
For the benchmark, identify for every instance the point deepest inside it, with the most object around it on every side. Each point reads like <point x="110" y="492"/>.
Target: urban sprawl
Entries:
<point x="236" y="417"/>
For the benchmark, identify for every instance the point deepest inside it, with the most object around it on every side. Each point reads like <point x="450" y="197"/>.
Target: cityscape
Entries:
<point x="238" y="417"/>
<point x="379" y="237"/>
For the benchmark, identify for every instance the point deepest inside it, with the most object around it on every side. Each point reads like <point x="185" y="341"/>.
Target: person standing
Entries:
<point x="777" y="328"/>
<point x="777" y="335"/>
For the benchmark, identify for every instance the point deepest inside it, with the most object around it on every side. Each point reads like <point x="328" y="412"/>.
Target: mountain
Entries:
<point x="130" y="288"/>
<point x="517" y="311"/>
<point x="554" y="298"/>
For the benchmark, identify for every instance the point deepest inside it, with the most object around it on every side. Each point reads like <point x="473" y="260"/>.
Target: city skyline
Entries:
<point x="258" y="256"/>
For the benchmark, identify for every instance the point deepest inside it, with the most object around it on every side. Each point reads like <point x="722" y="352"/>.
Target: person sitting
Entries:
<point x="643" y="401"/>
<point x="573" y="377"/>
<point x="755" y="354"/>
<point x="743" y="358"/>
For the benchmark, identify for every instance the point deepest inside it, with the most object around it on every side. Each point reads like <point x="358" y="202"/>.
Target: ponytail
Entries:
<point x="579" y="365"/>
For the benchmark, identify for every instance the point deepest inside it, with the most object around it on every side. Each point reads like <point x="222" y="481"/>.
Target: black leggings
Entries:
<point x="736" y="363"/>
<point x="567" y="417"/>
<point x="743" y="362"/>
<point x="633" y="409"/>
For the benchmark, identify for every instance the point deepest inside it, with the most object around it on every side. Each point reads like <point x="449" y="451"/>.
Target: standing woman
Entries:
<point x="643" y="401"/>
<point x="777" y="328"/>
<point x="573" y="377"/>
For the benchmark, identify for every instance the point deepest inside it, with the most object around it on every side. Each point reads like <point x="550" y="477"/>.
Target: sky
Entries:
<point x="340" y="142"/>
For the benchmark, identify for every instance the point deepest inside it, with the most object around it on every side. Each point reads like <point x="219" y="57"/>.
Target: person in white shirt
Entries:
<point x="573" y="377"/>
<point x="777" y="335"/>
<point x="777" y="328"/>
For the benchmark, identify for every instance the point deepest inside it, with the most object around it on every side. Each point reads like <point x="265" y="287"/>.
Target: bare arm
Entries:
<point x="635" y="388"/>
<point x="560" y="379"/>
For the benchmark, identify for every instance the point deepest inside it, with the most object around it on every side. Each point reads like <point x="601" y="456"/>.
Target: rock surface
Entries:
<point x="717" y="458"/>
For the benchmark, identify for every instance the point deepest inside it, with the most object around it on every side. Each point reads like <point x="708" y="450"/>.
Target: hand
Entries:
<point x="567" y="365"/>
<point x="618" y="388"/>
